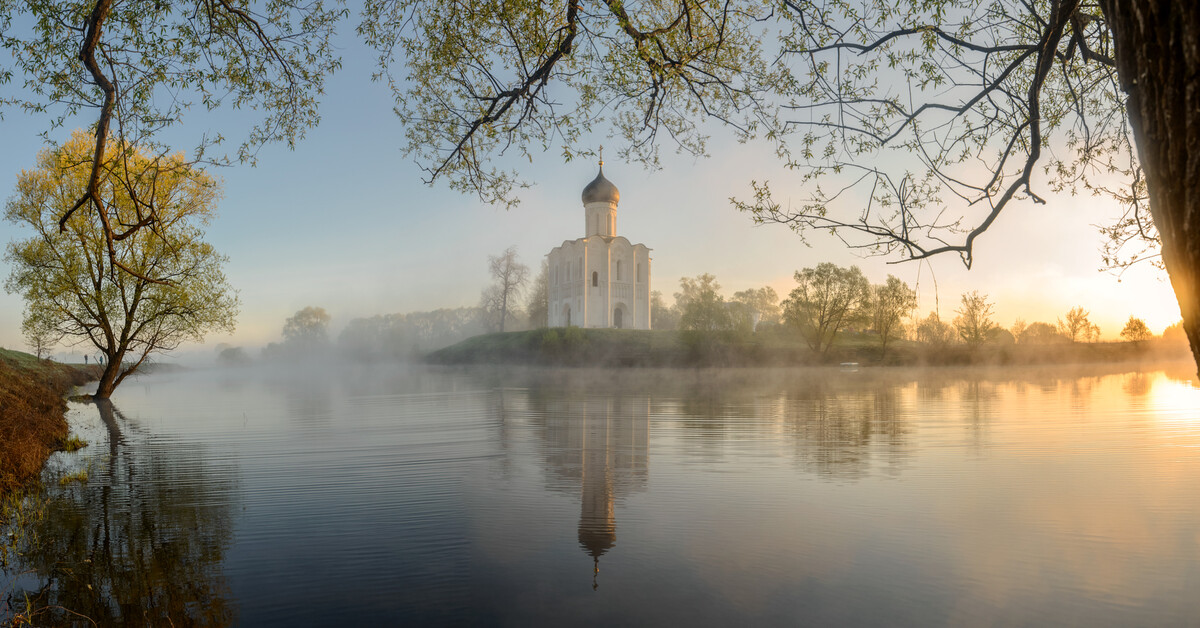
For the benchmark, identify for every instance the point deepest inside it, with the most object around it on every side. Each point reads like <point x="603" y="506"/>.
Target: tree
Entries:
<point x="401" y="336"/>
<point x="508" y="280"/>
<point x="975" y="93"/>
<point x="740" y="318"/>
<point x="701" y="306"/>
<point x="1018" y="329"/>
<point x="1076" y="326"/>
<point x="974" y="320"/>
<point x="68" y="283"/>
<point x="307" y="329"/>
<point x="763" y="300"/>
<point x="1136" y="331"/>
<point x="890" y="303"/>
<point x="233" y="356"/>
<point x="142" y="65"/>
<point x="1039" y="333"/>
<point x="473" y="79"/>
<point x="933" y="331"/>
<point x="827" y="300"/>
<point x="1174" y="334"/>
<point x="538" y="306"/>
<point x="41" y="332"/>
<point x="661" y="316"/>
<point x="1000" y="336"/>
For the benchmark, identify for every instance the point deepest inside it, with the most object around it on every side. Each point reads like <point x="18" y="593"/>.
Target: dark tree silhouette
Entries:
<point x="941" y="114"/>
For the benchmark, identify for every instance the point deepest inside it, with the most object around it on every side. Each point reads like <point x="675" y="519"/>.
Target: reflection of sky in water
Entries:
<point x="783" y="497"/>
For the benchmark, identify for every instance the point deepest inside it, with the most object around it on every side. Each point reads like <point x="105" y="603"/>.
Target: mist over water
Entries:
<point x="415" y="495"/>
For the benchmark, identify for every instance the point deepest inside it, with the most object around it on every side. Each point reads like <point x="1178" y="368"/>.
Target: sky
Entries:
<point x="345" y="222"/>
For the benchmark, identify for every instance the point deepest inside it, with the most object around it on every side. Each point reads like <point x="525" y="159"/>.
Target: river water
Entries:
<point x="418" y="496"/>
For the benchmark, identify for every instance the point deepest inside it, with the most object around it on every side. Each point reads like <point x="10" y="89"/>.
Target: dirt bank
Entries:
<point x="33" y="409"/>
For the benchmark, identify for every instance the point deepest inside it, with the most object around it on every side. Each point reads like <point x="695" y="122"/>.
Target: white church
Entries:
<point x="601" y="279"/>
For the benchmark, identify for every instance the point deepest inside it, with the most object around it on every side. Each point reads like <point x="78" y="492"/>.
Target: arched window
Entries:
<point x="639" y="272"/>
<point x="595" y="279"/>
<point x="618" y="270"/>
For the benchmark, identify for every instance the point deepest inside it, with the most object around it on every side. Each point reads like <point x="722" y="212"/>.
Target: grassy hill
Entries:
<point x="573" y="346"/>
<point x="32" y="413"/>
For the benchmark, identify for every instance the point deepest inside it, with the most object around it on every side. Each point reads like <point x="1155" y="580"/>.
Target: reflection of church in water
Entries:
<point x="598" y="446"/>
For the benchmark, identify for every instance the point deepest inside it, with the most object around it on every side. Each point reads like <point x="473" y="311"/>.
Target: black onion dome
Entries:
<point x="601" y="190"/>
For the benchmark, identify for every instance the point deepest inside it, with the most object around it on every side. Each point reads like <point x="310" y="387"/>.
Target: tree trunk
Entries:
<point x="108" y="379"/>
<point x="1157" y="47"/>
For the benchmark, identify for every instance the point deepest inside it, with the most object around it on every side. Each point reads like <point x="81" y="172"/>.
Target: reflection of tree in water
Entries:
<point x="836" y="432"/>
<point x="1137" y="384"/>
<point x="139" y="544"/>
<point x="1081" y="391"/>
<point x="596" y="445"/>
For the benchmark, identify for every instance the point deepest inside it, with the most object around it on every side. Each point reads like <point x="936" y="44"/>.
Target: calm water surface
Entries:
<point x="381" y="497"/>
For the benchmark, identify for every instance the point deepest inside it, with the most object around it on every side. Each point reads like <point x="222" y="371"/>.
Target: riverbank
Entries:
<point x="573" y="346"/>
<point x="33" y="409"/>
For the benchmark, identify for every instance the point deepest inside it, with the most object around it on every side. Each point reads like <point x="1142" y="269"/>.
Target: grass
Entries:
<point x="80" y="476"/>
<point x="73" y="443"/>
<point x="777" y="346"/>
<point x="32" y="413"/>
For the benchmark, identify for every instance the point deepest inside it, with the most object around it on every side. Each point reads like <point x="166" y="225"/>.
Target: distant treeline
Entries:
<point x="833" y="314"/>
<point x="394" y="337"/>
<point x="408" y="336"/>
<point x="773" y="345"/>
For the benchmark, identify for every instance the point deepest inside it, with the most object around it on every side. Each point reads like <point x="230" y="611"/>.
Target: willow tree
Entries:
<point x="825" y="302"/>
<point x="890" y="303"/>
<point x="67" y="277"/>
<point x="141" y="67"/>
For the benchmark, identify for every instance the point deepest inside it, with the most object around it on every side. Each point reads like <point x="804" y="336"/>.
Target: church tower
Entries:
<point x="600" y="199"/>
<point x="601" y="279"/>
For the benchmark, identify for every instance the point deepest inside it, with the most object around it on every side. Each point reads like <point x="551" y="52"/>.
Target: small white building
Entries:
<point x="601" y="279"/>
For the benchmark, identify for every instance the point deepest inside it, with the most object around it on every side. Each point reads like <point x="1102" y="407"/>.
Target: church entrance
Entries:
<point x="617" y="318"/>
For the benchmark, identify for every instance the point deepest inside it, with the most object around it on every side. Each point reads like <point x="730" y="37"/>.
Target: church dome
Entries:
<point x="601" y="190"/>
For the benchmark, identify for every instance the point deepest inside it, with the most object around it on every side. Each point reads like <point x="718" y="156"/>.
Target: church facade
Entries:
<point x="601" y="279"/>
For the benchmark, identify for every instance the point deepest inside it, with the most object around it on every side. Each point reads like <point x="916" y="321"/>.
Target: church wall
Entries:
<point x="566" y="284"/>
<point x="598" y="256"/>
<point x="593" y="275"/>
<point x="641" y="267"/>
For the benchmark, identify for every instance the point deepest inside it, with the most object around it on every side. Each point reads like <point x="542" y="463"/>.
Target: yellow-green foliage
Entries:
<point x="64" y="275"/>
<point x="73" y="443"/>
<point x="80" y="476"/>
